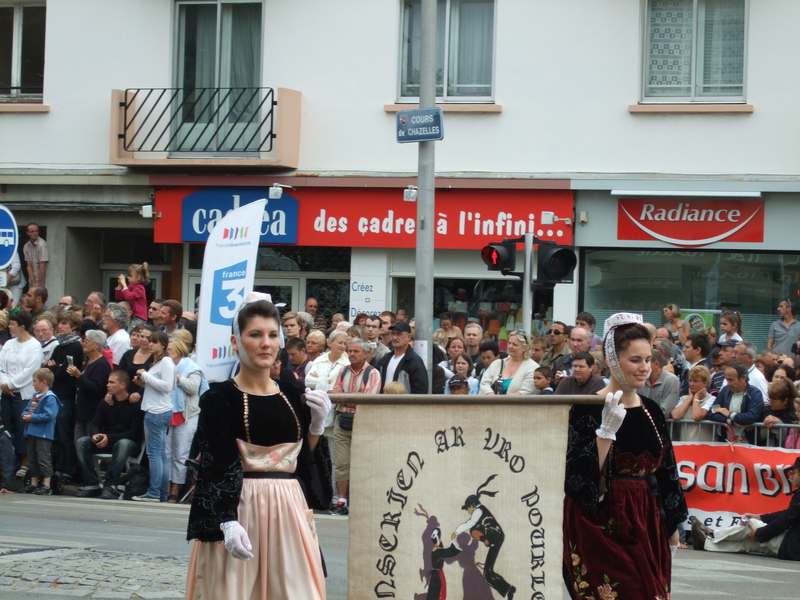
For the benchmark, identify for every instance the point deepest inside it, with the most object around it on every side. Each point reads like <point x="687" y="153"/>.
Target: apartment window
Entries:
<point x="464" y="52"/>
<point x="218" y="72"/>
<point x="695" y="50"/>
<point x="22" y="29"/>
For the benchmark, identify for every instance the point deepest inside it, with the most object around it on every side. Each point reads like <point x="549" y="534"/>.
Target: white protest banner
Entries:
<point x="229" y="267"/>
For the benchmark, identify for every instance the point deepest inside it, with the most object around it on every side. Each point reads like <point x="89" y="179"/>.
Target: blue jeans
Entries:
<point x="120" y="453"/>
<point x="155" y="433"/>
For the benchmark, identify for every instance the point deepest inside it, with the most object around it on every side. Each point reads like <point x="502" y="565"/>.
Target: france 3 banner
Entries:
<point x="723" y="481"/>
<point x="229" y="268"/>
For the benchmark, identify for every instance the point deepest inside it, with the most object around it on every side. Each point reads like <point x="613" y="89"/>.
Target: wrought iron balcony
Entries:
<point x="175" y="126"/>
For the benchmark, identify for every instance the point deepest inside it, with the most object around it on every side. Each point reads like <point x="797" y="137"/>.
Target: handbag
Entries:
<point x="346" y="420"/>
<point x="497" y="385"/>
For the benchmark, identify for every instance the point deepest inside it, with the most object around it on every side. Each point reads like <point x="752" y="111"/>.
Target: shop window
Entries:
<point x="22" y="29"/>
<point x="289" y="258"/>
<point x="464" y="53"/>
<point x="702" y="282"/>
<point x="695" y="50"/>
<point x="333" y="296"/>
<point x="129" y="247"/>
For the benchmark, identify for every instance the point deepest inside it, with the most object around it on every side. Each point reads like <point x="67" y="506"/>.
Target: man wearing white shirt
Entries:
<point x="746" y="352"/>
<point x="115" y="322"/>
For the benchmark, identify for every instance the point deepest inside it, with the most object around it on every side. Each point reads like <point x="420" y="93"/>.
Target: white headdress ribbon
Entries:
<point x="612" y="360"/>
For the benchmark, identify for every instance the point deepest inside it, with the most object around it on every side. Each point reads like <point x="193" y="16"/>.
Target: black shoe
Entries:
<point x="341" y="510"/>
<point x="511" y="593"/>
<point x="44" y="491"/>
<point x="93" y="493"/>
<point x="29" y="489"/>
<point x="109" y="493"/>
<point x="700" y="533"/>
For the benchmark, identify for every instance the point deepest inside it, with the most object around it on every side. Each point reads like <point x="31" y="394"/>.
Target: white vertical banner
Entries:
<point x="229" y="268"/>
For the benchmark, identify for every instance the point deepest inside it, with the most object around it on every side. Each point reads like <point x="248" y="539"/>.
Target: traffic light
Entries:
<point x="501" y="256"/>
<point x="554" y="264"/>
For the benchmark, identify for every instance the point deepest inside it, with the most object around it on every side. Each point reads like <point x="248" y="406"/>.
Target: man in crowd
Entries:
<point x="36" y="257"/>
<point x="403" y="364"/>
<point x="387" y="320"/>
<point x="582" y="381"/>
<point x="539" y="346"/>
<point x="746" y="352"/>
<point x="115" y="322"/>
<point x="588" y="322"/>
<point x="662" y="386"/>
<point x="306" y="322"/>
<point x="95" y="306"/>
<point x="579" y="341"/>
<point x="44" y="331"/>
<point x="358" y="378"/>
<point x="558" y="344"/>
<point x="785" y="331"/>
<point x="154" y="312"/>
<point x="35" y="300"/>
<point x="169" y="316"/>
<point x="740" y="404"/>
<point x="299" y="364"/>
<point x="402" y="315"/>
<point x="696" y="351"/>
<point x="726" y="357"/>
<point x="372" y="327"/>
<point x="117" y="429"/>
<point x="67" y="302"/>
<point x="490" y="352"/>
<point x="473" y="336"/>
<point x="774" y="534"/>
<point x="312" y="308"/>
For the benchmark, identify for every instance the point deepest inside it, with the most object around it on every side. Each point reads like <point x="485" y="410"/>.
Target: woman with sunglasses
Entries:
<point x="512" y="375"/>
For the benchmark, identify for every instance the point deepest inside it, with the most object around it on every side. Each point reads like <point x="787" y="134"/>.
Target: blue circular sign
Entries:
<point x="8" y="236"/>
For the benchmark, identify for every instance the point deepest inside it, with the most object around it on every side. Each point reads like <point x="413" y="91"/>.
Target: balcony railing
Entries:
<point x="180" y="126"/>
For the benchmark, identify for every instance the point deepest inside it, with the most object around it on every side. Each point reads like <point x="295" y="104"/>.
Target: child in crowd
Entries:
<point x="7" y="459"/>
<point x="133" y="291"/>
<point x="40" y="415"/>
<point x="543" y="380"/>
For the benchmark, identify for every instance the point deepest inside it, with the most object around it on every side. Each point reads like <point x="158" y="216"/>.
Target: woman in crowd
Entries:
<point x="315" y="345"/>
<point x="336" y="319"/>
<point x="793" y="438"/>
<point x="190" y="385"/>
<point x="454" y="347"/>
<point x="730" y="324"/>
<point x="327" y="367"/>
<point x="136" y="359"/>
<point x="463" y="367"/>
<point x="780" y="372"/>
<point x="678" y="329"/>
<point x="256" y="441"/>
<point x="618" y="535"/>
<point x="695" y="405"/>
<point x="782" y="394"/>
<point x="19" y="358"/>
<point x="158" y="384"/>
<point x="68" y="352"/>
<point x="91" y="382"/>
<point x="513" y="374"/>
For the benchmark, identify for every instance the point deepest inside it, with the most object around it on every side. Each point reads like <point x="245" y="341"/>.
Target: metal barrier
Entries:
<point x="757" y="434"/>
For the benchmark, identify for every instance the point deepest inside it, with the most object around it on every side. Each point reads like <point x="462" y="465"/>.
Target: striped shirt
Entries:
<point x="352" y="382"/>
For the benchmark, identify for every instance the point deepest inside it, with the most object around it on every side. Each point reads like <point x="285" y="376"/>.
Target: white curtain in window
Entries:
<point x="471" y="42"/>
<point x="669" y="56"/>
<point x="723" y="48"/>
<point x="241" y="56"/>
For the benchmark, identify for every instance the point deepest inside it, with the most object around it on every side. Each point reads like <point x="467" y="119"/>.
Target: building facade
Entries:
<point x="577" y="120"/>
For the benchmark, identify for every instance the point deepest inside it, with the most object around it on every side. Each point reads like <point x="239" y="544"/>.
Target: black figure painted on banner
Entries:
<point x="483" y="527"/>
<point x="437" y="584"/>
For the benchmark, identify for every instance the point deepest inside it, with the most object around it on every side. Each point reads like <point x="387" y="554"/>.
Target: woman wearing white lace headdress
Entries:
<point x="256" y="441"/>
<point x="623" y="498"/>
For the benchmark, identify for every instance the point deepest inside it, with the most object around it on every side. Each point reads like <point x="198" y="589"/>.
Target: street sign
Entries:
<point x="420" y="125"/>
<point x="8" y="236"/>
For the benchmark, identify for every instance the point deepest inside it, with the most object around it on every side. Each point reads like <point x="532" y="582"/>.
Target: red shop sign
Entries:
<point x="379" y="218"/>
<point x="691" y="223"/>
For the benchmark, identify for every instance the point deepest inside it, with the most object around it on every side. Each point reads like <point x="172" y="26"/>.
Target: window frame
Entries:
<point x="696" y="61"/>
<point x="17" y="96"/>
<point x="445" y="98"/>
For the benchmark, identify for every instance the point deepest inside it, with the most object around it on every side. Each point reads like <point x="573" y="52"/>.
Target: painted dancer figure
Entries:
<point x="483" y="527"/>
<point x="437" y="584"/>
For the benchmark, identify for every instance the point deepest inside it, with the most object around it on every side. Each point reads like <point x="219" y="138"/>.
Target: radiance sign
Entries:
<point x="691" y="223"/>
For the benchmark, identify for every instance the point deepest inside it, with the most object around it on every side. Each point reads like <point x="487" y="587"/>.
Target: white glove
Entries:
<point x="237" y="541"/>
<point x="319" y="404"/>
<point x="613" y="415"/>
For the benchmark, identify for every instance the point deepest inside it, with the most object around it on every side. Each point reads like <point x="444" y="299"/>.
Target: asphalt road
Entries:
<point x="64" y="547"/>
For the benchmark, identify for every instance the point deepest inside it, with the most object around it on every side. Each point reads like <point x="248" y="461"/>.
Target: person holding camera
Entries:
<point x="116" y="429"/>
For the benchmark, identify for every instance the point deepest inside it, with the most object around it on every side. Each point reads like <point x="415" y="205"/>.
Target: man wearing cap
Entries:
<point x="403" y="364"/>
<point x="458" y="385"/>
<point x="726" y="357"/>
<point x="775" y="534"/>
<point x="785" y="331"/>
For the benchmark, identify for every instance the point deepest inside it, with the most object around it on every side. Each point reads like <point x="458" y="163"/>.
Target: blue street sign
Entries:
<point x="420" y="125"/>
<point x="8" y="236"/>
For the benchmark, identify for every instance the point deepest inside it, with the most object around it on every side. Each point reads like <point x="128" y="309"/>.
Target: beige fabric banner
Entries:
<point x="490" y="475"/>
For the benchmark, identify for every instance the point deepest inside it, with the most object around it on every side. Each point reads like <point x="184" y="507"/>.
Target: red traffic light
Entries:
<point x="501" y="256"/>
